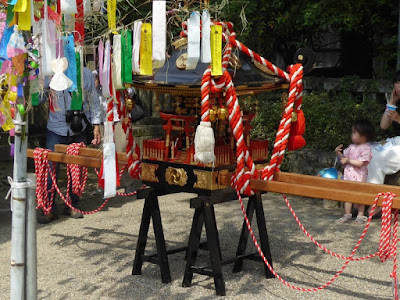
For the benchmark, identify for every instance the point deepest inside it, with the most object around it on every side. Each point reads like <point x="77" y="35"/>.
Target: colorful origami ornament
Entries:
<point x="16" y="44"/>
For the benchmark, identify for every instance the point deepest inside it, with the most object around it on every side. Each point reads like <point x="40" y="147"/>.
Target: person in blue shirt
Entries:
<point x="59" y="130"/>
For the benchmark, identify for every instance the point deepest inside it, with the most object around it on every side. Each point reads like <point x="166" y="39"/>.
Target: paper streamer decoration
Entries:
<point x="117" y="67"/>
<point x="77" y="96"/>
<point x="4" y="42"/>
<point x="101" y="60"/>
<point x="79" y="23"/>
<point x="205" y="37"/>
<point x="10" y="13"/>
<point x="193" y="41"/>
<point x="216" y="50"/>
<point x="68" y="7"/>
<point x="87" y="7"/>
<point x="60" y="81"/>
<point x="146" y="61"/>
<point x="126" y="56"/>
<point x="111" y="14"/>
<point x="137" y="33"/>
<point x="69" y="52"/>
<point x="159" y="33"/>
<point x="97" y="4"/>
<point x="106" y="71"/>
<point x="24" y="18"/>
<point x="48" y="45"/>
<point x="16" y="44"/>
<point x="21" y="6"/>
<point x="109" y="162"/>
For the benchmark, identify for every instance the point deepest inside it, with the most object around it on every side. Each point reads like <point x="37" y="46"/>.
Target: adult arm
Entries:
<point x="388" y="118"/>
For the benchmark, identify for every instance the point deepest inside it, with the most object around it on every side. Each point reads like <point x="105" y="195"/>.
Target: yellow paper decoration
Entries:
<point x="111" y="12"/>
<point x="24" y="18"/>
<point x="21" y="6"/>
<point x="216" y="50"/>
<point x="146" y="58"/>
<point x="5" y="110"/>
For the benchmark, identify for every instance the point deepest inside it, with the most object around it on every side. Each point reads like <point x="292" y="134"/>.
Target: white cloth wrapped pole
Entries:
<point x="205" y="37"/>
<point x="109" y="163"/>
<point x="137" y="33"/>
<point x="159" y="33"/>
<point x="193" y="41"/>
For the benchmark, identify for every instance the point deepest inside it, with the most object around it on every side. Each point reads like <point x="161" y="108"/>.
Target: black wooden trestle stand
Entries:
<point x="203" y="215"/>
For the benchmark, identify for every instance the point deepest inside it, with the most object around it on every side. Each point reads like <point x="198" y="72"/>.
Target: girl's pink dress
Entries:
<point x="361" y="153"/>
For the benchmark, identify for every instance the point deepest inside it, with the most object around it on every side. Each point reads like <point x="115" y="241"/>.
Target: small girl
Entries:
<point x="355" y="160"/>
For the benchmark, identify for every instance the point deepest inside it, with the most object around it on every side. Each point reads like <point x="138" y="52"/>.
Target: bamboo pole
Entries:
<point x="18" y="200"/>
<point x="31" y="245"/>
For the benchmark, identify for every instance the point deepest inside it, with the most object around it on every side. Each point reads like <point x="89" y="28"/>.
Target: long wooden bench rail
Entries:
<point x="321" y="188"/>
<point x="88" y="157"/>
<point x="91" y="162"/>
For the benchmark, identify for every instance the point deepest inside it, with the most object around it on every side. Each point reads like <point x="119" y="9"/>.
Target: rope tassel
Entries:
<point x="204" y="143"/>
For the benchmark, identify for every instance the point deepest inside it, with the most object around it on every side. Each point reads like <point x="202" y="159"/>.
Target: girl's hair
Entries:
<point x="364" y="128"/>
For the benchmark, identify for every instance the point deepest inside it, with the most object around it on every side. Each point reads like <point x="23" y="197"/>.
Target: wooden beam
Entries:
<point x="337" y="184"/>
<point x="321" y="188"/>
<point x="91" y="162"/>
<point x="319" y="192"/>
<point x="92" y="152"/>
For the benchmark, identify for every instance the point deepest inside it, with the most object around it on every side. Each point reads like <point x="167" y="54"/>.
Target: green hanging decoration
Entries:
<point x="10" y="13"/>
<point x="76" y="102"/>
<point x="126" y="56"/>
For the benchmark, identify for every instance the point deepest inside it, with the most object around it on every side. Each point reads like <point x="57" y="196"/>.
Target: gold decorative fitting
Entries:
<point x="263" y="68"/>
<point x="294" y="116"/>
<point x="300" y="57"/>
<point x="180" y="42"/>
<point x="129" y="104"/>
<point x="182" y="61"/>
<point x="206" y="180"/>
<point x="175" y="176"/>
<point x="149" y="172"/>
<point x="235" y="62"/>
<point x="213" y="114"/>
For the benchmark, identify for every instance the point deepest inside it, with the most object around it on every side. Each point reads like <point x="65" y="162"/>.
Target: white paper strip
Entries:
<point x="48" y="44"/>
<point x="97" y="5"/>
<point x="106" y="71"/>
<point x="205" y="37"/>
<point x="87" y="7"/>
<point x="159" y="33"/>
<point x="137" y="27"/>
<point x="193" y="41"/>
<point x="109" y="164"/>
<point x="68" y="7"/>
<point x="116" y="67"/>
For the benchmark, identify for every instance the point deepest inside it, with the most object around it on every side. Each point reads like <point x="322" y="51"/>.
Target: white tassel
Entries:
<point x="204" y="143"/>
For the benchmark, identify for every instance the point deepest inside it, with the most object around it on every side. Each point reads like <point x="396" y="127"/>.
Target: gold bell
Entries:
<point x="222" y="113"/>
<point x="294" y="116"/>
<point x="213" y="114"/>
<point x="129" y="104"/>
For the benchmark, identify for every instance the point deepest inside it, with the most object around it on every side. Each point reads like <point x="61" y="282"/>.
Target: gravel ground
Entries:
<point x="91" y="258"/>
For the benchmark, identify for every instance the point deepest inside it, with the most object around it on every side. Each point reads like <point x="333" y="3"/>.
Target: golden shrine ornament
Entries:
<point x="129" y="104"/>
<point x="222" y="113"/>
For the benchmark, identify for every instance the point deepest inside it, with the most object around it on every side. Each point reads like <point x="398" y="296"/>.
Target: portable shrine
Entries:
<point x="169" y="163"/>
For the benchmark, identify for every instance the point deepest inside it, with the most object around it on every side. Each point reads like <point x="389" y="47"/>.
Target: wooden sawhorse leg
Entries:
<point x="151" y="210"/>
<point x="254" y="204"/>
<point x="205" y="215"/>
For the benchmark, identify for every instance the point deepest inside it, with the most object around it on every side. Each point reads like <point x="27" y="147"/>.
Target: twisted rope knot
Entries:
<point x="75" y="173"/>
<point x="44" y="197"/>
